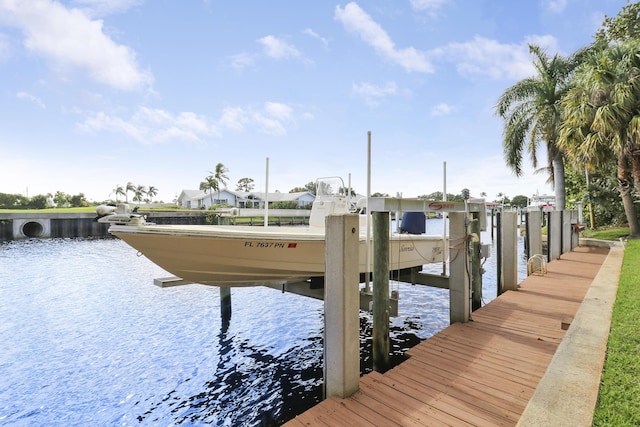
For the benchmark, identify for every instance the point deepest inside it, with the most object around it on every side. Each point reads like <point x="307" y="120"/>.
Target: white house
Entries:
<point x="199" y="199"/>
<point x="257" y="199"/>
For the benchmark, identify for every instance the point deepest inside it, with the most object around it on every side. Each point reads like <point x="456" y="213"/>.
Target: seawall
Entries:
<point x="15" y="226"/>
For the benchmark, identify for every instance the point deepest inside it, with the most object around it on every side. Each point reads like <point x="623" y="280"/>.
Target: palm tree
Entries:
<point x="118" y="191"/>
<point x="220" y="177"/>
<point x="602" y="117"/>
<point x="208" y="186"/>
<point x="129" y="187"/>
<point x="531" y="110"/>
<point x="152" y="192"/>
<point x="138" y="192"/>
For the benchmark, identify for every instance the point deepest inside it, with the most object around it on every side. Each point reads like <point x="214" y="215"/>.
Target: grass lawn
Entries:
<point x="91" y="209"/>
<point x="613" y="233"/>
<point x="619" y="397"/>
<point x="50" y="210"/>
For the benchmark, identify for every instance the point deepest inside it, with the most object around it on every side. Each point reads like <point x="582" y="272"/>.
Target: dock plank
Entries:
<point x="460" y="411"/>
<point x="480" y="373"/>
<point x="405" y="401"/>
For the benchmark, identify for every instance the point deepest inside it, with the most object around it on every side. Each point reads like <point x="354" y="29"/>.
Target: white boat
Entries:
<point x="542" y="202"/>
<point x="233" y="255"/>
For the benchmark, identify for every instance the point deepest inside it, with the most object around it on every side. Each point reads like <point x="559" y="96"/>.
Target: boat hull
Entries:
<point x="243" y="256"/>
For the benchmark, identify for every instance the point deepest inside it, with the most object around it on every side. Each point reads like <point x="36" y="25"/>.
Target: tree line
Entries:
<point x="42" y="201"/>
<point x="585" y="109"/>
<point x="60" y="199"/>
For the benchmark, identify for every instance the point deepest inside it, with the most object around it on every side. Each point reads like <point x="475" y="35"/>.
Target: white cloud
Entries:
<point x="485" y="57"/>
<point x="234" y="118"/>
<point x="315" y="35"/>
<point x="31" y="98"/>
<point x="5" y="47"/>
<point x="272" y="47"/>
<point x="149" y="126"/>
<point x="547" y="42"/>
<point x="442" y="109"/>
<point x="269" y="125"/>
<point x="272" y="119"/>
<point x="373" y="94"/>
<point x="193" y="122"/>
<point x="278" y="110"/>
<point x="356" y="20"/>
<point x="277" y="48"/>
<point x="103" y="122"/>
<point x="555" y="6"/>
<point x="242" y="60"/>
<point x="106" y="7"/>
<point x="71" y="39"/>
<point x="429" y="5"/>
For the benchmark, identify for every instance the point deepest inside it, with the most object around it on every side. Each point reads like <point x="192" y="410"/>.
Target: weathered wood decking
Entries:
<point x="480" y="373"/>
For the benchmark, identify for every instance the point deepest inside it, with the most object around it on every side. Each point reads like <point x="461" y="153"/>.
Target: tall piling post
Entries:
<point x="476" y="273"/>
<point x="381" y="344"/>
<point x="509" y="244"/>
<point x="341" y="307"/>
<point x="534" y="236"/>
<point x="459" y="292"/>
<point x="554" y="235"/>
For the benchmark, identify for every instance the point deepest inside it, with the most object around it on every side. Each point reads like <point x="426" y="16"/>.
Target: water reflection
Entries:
<point x="249" y="386"/>
<point x="93" y="342"/>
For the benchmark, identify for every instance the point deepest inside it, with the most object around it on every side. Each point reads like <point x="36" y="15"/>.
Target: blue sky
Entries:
<point x="96" y="93"/>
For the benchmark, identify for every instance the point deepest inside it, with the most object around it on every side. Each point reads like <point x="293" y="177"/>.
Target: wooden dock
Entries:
<point x="480" y="373"/>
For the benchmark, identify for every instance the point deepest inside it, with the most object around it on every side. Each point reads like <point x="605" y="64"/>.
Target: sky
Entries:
<point x="98" y="93"/>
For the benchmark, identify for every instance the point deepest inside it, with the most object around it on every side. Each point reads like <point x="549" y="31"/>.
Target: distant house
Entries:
<point x="257" y="199"/>
<point x="199" y="199"/>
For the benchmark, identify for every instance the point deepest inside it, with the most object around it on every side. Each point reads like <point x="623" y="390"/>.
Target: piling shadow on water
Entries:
<point x="253" y="388"/>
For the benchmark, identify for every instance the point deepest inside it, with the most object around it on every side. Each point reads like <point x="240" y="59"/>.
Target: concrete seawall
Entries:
<point x="28" y="225"/>
<point x="14" y="226"/>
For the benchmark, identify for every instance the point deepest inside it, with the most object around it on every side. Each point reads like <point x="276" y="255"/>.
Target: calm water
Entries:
<point x="89" y="340"/>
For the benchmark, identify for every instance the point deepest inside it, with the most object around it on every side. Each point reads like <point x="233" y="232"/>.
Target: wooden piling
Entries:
<point x="381" y="345"/>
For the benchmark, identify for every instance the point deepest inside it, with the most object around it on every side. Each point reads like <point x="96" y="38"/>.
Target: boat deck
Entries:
<point x="480" y="373"/>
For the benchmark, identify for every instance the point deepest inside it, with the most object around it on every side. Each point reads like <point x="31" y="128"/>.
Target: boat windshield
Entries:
<point x="330" y="186"/>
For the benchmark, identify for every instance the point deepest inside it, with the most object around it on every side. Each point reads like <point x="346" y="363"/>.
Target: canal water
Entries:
<point x="87" y="339"/>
